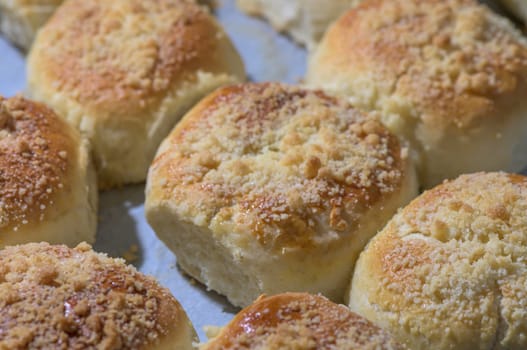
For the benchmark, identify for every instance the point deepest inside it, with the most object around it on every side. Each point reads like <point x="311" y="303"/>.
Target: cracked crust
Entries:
<point x="47" y="185"/>
<point x="300" y="321"/>
<point x="278" y="171"/>
<point x="450" y="270"/>
<point x="444" y="74"/>
<point x="62" y="298"/>
<point x="123" y="72"/>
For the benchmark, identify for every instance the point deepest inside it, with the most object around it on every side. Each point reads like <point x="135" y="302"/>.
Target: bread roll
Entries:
<point x="54" y="297"/>
<point x="124" y="71"/>
<point x="305" y="20"/>
<point x="300" y="321"/>
<point x="517" y="7"/>
<point x="267" y="188"/>
<point x="449" y="271"/>
<point x="449" y="76"/>
<point x="21" y="19"/>
<point x="47" y="181"/>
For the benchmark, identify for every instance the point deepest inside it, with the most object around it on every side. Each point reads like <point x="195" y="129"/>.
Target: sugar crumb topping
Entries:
<point x="124" y="53"/>
<point x="62" y="298"/>
<point x="278" y="161"/>
<point x="300" y="321"/>
<point x="456" y="257"/>
<point x="451" y="59"/>
<point x="34" y="162"/>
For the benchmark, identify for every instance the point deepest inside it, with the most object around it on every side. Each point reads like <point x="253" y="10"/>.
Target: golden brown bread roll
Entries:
<point x="300" y="321"/>
<point x="267" y="188"/>
<point x="124" y="71"/>
<point x="54" y="297"/>
<point x="449" y="271"/>
<point x="21" y="19"/>
<point x="47" y="181"/>
<point x="305" y="20"/>
<point x="449" y="76"/>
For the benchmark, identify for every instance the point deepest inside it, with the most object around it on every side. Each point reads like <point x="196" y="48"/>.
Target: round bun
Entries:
<point x="124" y="71"/>
<point x="47" y="188"/>
<point x="305" y="20"/>
<point x="449" y="76"/>
<point x="300" y="321"/>
<point x="54" y="297"/>
<point x="268" y="188"/>
<point x="518" y="8"/>
<point x="21" y="19"/>
<point x="450" y="271"/>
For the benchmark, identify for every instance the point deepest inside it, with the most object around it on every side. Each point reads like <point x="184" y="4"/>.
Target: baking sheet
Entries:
<point x="122" y="227"/>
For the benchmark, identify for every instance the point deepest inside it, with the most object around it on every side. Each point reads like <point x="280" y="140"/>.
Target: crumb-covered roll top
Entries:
<point x="276" y="163"/>
<point x="300" y="321"/>
<point x="57" y="297"/>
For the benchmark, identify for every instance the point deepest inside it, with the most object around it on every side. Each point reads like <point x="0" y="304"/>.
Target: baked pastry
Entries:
<point x="268" y="188"/>
<point x="54" y="297"/>
<point x="449" y="271"/>
<point x="124" y="71"/>
<point x="21" y="19"/>
<point x="300" y="321"/>
<point x="47" y="180"/>
<point x="305" y="20"/>
<point x="449" y="76"/>
<point x="518" y="8"/>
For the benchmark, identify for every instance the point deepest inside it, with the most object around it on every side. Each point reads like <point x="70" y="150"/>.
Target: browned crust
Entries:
<point x="448" y="270"/>
<point x="277" y="161"/>
<point x="38" y="152"/>
<point x="121" y="57"/>
<point x="300" y="321"/>
<point x="58" y="297"/>
<point x="452" y="60"/>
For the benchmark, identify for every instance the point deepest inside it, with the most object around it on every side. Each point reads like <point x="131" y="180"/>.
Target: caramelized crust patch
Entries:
<point x="37" y="153"/>
<point x="62" y="298"/>
<point x="277" y="162"/>
<point x="121" y="56"/>
<point x="450" y="60"/>
<point x="300" y="321"/>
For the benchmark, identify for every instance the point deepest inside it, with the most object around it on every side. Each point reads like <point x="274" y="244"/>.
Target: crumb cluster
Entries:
<point x="54" y="296"/>
<point x="300" y="321"/>
<point x="36" y="157"/>
<point x="278" y="162"/>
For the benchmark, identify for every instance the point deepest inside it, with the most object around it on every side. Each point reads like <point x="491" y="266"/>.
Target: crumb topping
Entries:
<point x="300" y="321"/>
<point x="451" y="60"/>
<point x="125" y="53"/>
<point x="36" y="154"/>
<point x="454" y="262"/>
<point x="270" y="159"/>
<point x="62" y="298"/>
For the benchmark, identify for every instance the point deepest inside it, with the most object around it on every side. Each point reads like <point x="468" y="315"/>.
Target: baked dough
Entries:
<point x="268" y="188"/>
<point x="47" y="180"/>
<point x="54" y="297"/>
<point x="305" y="20"/>
<point x="449" y="271"/>
<point x="449" y="76"/>
<point x="300" y="321"/>
<point x="124" y="71"/>
<point x="21" y="19"/>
